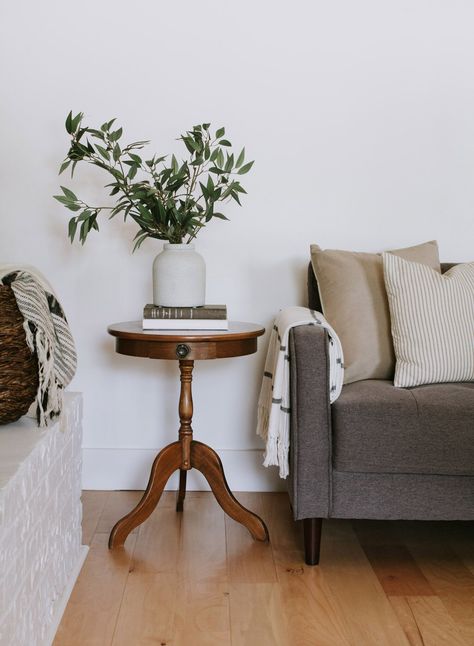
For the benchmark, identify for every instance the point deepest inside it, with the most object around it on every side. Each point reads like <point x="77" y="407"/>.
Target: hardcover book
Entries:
<point x="185" y="324"/>
<point x="206" y="312"/>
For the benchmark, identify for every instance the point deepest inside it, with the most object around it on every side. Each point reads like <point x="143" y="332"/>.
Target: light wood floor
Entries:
<point x="198" y="578"/>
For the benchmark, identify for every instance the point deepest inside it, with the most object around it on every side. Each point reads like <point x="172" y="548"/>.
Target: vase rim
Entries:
<point x="178" y="247"/>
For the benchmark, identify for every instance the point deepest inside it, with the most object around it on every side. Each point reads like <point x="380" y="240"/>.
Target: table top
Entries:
<point x="237" y="330"/>
<point x="240" y="339"/>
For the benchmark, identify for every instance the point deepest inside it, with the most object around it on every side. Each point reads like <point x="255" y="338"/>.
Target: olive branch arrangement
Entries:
<point x="169" y="200"/>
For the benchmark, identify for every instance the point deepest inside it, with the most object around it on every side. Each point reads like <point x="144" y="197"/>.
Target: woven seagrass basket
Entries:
<point x="18" y="366"/>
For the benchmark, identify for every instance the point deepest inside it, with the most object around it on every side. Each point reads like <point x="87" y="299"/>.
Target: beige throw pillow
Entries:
<point x="432" y="322"/>
<point x="354" y="301"/>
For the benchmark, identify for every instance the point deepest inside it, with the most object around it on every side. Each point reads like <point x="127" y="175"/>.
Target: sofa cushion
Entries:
<point x="354" y="300"/>
<point x="382" y="429"/>
<point x="432" y="318"/>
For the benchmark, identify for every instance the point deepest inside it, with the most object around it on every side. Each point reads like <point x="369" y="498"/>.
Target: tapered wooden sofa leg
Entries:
<point x="312" y="540"/>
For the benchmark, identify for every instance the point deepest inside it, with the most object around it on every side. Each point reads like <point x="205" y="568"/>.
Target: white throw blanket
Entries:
<point x="47" y="334"/>
<point x="274" y="402"/>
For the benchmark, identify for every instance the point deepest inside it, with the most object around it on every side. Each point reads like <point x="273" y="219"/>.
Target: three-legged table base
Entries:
<point x="169" y="460"/>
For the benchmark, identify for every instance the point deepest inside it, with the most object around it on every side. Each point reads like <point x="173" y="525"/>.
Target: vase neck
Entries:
<point x="168" y="246"/>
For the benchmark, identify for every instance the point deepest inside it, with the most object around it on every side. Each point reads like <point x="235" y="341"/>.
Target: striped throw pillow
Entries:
<point x="432" y="320"/>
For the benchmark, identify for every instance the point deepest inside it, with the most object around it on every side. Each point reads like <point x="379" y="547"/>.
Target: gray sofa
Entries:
<point x="378" y="452"/>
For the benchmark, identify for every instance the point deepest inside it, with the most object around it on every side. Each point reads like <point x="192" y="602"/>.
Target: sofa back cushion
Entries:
<point x="353" y="298"/>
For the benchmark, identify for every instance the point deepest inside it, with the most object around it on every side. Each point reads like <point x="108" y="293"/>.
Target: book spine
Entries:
<point x="184" y="313"/>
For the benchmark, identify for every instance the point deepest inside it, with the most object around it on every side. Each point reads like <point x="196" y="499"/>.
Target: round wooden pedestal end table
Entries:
<point x="185" y="346"/>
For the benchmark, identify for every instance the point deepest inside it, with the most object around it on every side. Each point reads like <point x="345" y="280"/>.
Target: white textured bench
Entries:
<point x="40" y="524"/>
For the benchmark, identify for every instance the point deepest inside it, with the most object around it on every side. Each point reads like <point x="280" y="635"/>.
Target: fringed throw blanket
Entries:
<point x="47" y="334"/>
<point x="274" y="402"/>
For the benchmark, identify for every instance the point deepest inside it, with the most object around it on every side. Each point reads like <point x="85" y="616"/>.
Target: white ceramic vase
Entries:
<point x="179" y="277"/>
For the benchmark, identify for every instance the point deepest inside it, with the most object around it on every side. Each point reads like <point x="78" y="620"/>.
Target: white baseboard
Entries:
<point x="129" y="469"/>
<point x="62" y="602"/>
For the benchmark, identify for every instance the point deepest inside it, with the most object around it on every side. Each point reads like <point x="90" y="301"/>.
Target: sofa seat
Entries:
<point x="424" y="430"/>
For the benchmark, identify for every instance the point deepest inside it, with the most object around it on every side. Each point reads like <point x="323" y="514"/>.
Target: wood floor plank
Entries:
<point x="397" y="571"/>
<point x="255" y="597"/>
<point x="93" y="608"/>
<point x="435" y="624"/>
<point x="118" y="504"/>
<point x="147" y="611"/>
<point x="369" y="616"/>
<point x="93" y="503"/>
<point x="452" y="581"/>
<point x="202" y="593"/>
<point x="158" y="545"/>
<point x="248" y="560"/>
<point x="313" y="615"/>
<point x="257" y="615"/>
<point x="391" y="561"/>
<point x="149" y="601"/>
<point x="407" y="620"/>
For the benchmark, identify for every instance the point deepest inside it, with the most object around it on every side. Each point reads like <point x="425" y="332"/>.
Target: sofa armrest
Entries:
<point x="310" y="425"/>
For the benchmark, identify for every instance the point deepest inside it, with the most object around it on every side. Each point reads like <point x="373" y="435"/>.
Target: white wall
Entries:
<point x="360" y="116"/>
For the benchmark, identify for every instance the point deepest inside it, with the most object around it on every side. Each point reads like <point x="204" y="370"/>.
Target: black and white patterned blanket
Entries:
<point x="47" y="334"/>
<point x="273" y="423"/>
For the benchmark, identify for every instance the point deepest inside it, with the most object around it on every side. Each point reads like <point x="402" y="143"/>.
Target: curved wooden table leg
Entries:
<point x="166" y="462"/>
<point x="182" y="490"/>
<point x="209" y="464"/>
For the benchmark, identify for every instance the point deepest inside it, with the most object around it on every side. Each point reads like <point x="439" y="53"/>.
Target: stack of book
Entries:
<point x="206" y="317"/>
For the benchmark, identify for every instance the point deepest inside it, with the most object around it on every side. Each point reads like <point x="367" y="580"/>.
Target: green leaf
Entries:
<point x="206" y="126"/>
<point x="137" y="144"/>
<point x="72" y="227"/>
<point x="188" y="143"/>
<point x="114" y="136"/>
<point x="132" y="172"/>
<point x="103" y="152"/>
<point x="221" y="216"/>
<point x="69" y="123"/>
<point x="85" y="215"/>
<point x="240" y="158"/>
<point x="83" y="232"/>
<point x="69" y="194"/>
<point x="174" y="164"/>
<point x="220" y="133"/>
<point x="229" y="164"/>
<point x="204" y="190"/>
<point x="224" y="142"/>
<point x="245" y="168"/>
<point x="117" y="152"/>
<point x="96" y="133"/>
<point x="64" y="165"/>
<point x="73" y="207"/>
<point x="226" y="193"/>
<point x="235" y="197"/>
<point x="93" y="222"/>
<point x="76" y="121"/>
<point x="140" y="238"/>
